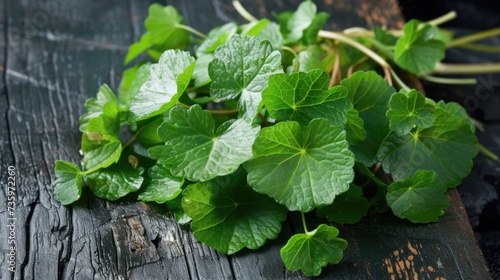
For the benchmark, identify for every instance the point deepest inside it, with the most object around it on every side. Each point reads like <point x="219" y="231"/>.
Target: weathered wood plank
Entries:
<point x="55" y="54"/>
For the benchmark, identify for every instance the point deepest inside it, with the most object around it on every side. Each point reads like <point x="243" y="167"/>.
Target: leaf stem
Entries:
<point x="466" y="69"/>
<point x="487" y="152"/>
<point x="243" y="12"/>
<point x="296" y="66"/>
<point x="190" y="29"/>
<point x="223" y="112"/>
<point x="304" y="224"/>
<point x="399" y="81"/>
<point x="474" y="37"/>
<point x="346" y="40"/>
<point x="480" y="48"/>
<point x="448" y="81"/>
<point x="133" y="138"/>
<point x="373" y="55"/>
<point x="336" y="67"/>
<point x="183" y="105"/>
<point x="443" y="19"/>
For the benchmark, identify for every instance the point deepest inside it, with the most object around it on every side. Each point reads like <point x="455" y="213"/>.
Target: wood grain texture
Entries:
<point x="54" y="55"/>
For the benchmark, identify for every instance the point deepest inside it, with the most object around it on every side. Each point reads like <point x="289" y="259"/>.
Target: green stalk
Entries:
<point x="346" y="40"/>
<point x="191" y="30"/>
<point x="474" y="37"/>
<point x="304" y="224"/>
<point x="243" y="12"/>
<point x="448" y="81"/>
<point x="399" y="81"/>
<point x="133" y="138"/>
<point x="480" y="48"/>
<point x="290" y="50"/>
<point x="487" y="152"/>
<point x="466" y="69"/>
<point x="360" y="47"/>
<point x="442" y="19"/>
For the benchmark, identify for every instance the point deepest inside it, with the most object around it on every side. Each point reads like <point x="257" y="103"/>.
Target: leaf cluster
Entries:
<point x="249" y="127"/>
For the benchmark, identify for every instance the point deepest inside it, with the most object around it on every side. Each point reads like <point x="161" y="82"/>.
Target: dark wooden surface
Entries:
<point x="54" y="54"/>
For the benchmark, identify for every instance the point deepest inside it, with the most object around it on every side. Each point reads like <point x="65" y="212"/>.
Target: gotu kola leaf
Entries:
<point x="167" y="80"/>
<point x="302" y="168"/>
<point x="369" y="94"/>
<point x="115" y="181"/>
<point x="447" y="147"/>
<point x="241" y="68"/>
<point x="302" y="97"/>
<point x="162" y="185"/>
<point x="228" y="215"/>
<point x="312" y="251"/>
<point x="100" y="143"/>
<point x="347" y="208"/>
<point x="68" y="184"/>
<point x="415" y="51"/>
<point x="194" y="150"/>
<point x="407" y="110"/>
<point x="304" y="23"/>
<point x="162" y="32"/>
<point x="205" y="52"/>
<point x="95" y="106"/>
<point x="420" y="199"/>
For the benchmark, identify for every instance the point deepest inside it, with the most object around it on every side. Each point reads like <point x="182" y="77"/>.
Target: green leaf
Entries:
<point x="241" y="67"/>
<point x="195" y="151"/>
<point x="420" y="199"/>
<point x="312" y="251"/>
<point x="310" y="34"/>
<point x="162" y="23"/>
<point x="447" y="147"/>
<point x="253" y="28"/>
<point x="415" y="51"/>
<point x="458" y="112"/>
<point x="369" y="94"/>
<point x="228" y="215"/>
<point x="355" y="130"/>
<point x="133" y="79"/>
<point x="384" y="37"/>
<point x="115" y="181"/>
<point x="307" y="62"/>
<point x="216" y="37"/>
<point x="138" y="48"/>
<point x="302" y="97"/>
<point x="301" y="168"/>
<point x="435" y="33"/>
<point x="162" y="31"/>
<point x="407" y="110"/>
<point x="283" y="19"/>
<point x="168" y="79"/>
<point x="347" y="208"/>
<point x="101" y="146"/>
<point x="68" y="184"/>
<point x="271" y="32"/>
<point x="163" y="186"/>
<point x="300" y="21"/>
<point x="95" y="106"/>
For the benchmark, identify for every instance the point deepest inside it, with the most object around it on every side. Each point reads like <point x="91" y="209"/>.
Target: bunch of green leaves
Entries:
<point x="237" y="134"/>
